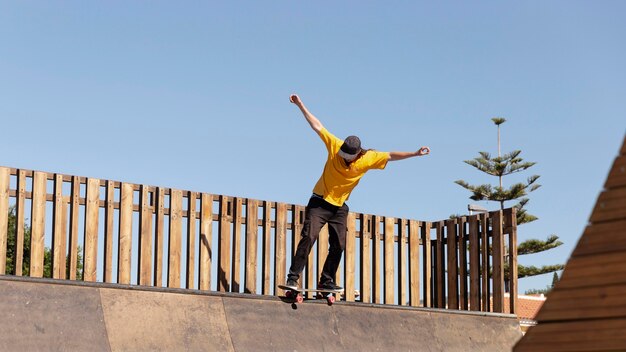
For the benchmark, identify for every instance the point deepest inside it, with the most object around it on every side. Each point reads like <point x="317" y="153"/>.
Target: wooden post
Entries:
<point x="462" y="248"/>
<point x="376" y="258"/>
<point x="206" y="239"/>
<point x="158" y="236"/>
<point x="236" y="254"/>
<point x="485" y="267"/>
<point x="19" y="222"/>
<point x="511" y="215"/>
<point x="350" y="257"/>
<point x="58" y="234"/>
<point x="267" y="247"/>
<point x="145" y="237"/>
<point x="474" y="262"/>
<point x="125" y="233"/>
<point x="388" y="260"/>
<point x="281" y="244"/>
<point x="191" y="240"/>
<point x="91" y="229"/>
<point x="402" y="260"/>
<point x="5" y="175"/>
<point x="38" y="216"/>
<point x="414" y="262"/>
<point x="498" y="262"/>
<point x="366" y="263"/>
<point x="427" y="265"/>
<point x="176" y="237"/>
<point x="252" y="229"/>
<point x="451" y="233"/>
<point x="223" y="271"/>
<point x="440" y="278"/>
<point x="109" y="212"/>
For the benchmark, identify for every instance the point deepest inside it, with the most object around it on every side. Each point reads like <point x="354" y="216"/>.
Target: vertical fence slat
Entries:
<point x="191" y="240"/>
<point x="402" y="260"/>
<point x="281" y="244"/>
<point x="19" y="222"/>
<point x="206" y="239"/>
<point x="74" y="218"/>
<point x="377" y="261"/>
<point x="474" y="262"/>
<point x="414" y="263"/>
<point x="267" y="247"/>
<point x="92" y="208"/>
<point x="145" y="237"/>
<point x="498" y="262"/>
<point x="175" y="239"/>
<point x="366" y="263"/>
<point x="236" y="255"/>
<point x="223" y="271"/>
<point x="109" y="212"/>
<point x="462" y="248"/>
<point x="252" y="229"/>
<point x="451" y="233"/>
<point x="125" y="233"/>
<point x="425" y="233"/>
<point x="350" y="257"/>
<point x="511" y="216"/>
<point x="5" y="178"/>
<point x="388" y="260"/>
<point x="38" y="216"/>
<point x="440" y="266"/>
<point x="58" y="234"/>
<point x="158" y="236"/>
<point x="484" y="271"/>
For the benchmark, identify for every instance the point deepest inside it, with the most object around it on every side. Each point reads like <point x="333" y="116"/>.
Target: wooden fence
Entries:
<point x="154" y="236"/>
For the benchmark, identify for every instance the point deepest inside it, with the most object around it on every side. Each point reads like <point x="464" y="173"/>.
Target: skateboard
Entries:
<point x="297" y="296"/>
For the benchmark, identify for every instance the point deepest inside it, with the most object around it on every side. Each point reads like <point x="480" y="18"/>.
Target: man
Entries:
<point x="347" y="162"/>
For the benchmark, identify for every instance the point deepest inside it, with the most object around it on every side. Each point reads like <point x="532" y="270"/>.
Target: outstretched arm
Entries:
<point x="393" y="156"/>
<point x="316" y="125"/>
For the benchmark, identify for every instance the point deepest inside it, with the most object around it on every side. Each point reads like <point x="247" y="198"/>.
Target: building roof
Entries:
<point x="527" y="306"/>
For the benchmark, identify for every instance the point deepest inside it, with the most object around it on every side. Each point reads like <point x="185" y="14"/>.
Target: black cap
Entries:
<point x="350" y="148"/>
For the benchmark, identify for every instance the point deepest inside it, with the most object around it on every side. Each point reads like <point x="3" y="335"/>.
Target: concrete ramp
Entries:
<point x="54" y="315"/>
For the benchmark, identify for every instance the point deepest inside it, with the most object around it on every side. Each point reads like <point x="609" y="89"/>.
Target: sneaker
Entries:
<point x="292" y="284"/>
<point x="329" y="286"/>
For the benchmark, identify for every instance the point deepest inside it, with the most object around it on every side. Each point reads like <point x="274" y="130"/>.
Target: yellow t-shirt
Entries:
<point x="339" y="179"/>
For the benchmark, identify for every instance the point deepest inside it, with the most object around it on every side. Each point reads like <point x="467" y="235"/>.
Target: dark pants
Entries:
<point x="318" y="213"/>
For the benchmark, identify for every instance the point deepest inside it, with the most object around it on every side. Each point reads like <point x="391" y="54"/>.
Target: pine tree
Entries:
<point x="504" y="165"/>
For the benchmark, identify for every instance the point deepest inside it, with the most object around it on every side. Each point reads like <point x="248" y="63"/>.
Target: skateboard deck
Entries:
<point x="296" y="294"/>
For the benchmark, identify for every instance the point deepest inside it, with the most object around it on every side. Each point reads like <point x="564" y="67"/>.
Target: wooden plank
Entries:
<point x="585" y="303"/>
<point x="402" y="277"/>
<point x="602" y="238"/>
<point x="158" y="236"/>
<point x="617" y="175"/>
<point x="223" y="270"/>
<point x="74" y="219"/>
<point x="191" y="240"/>
<point x="125" y="241"/>
<point x="350" y="258"/>
<point x="474" y="263"/>
<point x="267" y="248"/>
<point x="591" y="270"/>
<point x="511" y="216"/>
<point x="281" y="245"/>
<point x="452" y="265"/>
<point x="38" y="216"/>
<point x="252" y="229"/>
<point x="414" y="263"/>
<point x="19" y="222"/>
<point x="206" y="240"/>
<point x="611" y="205"/>
<point x="5" y="180"/>
<point x="462" y="250"/>
<point x="92" y="210"/>
<point x="236" y="255"/>
<point x="427" y="266"/>
<point x="366" y="262"/>
<point x="485" y="267"/>
<point x="388" y="260"/>
<point x="440" y="278"/>
<point x="145" y="237"/>
<point x="109" y="213"/>
<point x="58" y="231"/>
<point x="376" y="260"/>
<point x="175" y="239"/>
<point x="498" y="262"/>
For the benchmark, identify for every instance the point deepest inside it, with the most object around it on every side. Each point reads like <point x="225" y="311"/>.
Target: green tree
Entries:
<point x="505" y="165"/>
<point x="12" y="245"/>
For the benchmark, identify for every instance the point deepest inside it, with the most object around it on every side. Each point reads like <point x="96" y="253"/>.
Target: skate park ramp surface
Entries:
<point x="58" y="315"/>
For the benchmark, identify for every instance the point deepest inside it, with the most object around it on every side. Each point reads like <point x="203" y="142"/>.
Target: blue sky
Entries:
<point x="194" y="95"/>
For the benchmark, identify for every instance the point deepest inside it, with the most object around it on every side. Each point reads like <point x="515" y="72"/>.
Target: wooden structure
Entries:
<point x="586" y="311"/>
<point x="155" y="236"/>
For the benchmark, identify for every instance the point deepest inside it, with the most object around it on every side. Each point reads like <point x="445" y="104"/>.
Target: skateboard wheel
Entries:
<point x="331" y="299"/>
<point x="299" y="298"/>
